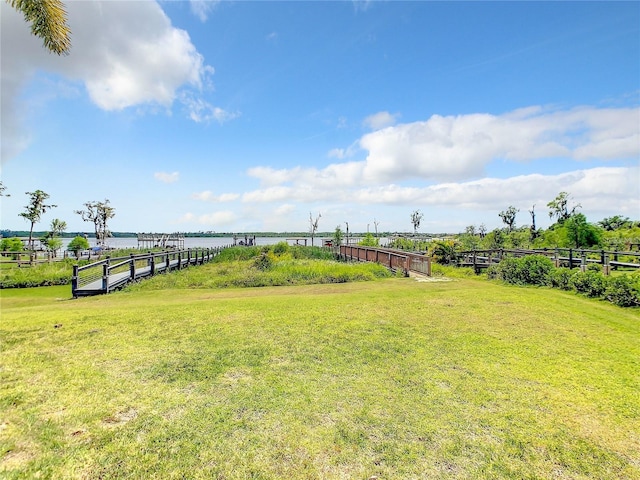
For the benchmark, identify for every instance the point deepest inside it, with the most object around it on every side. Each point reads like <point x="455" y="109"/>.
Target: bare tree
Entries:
<point x="533" y="230"/>
<point x="559" y="207"/>
<point x="482" y="230"/>
<point x="508" y="217"/>
<point x="99" y="214"/>
<point x="34" y="211"/>
<point x="313" y="225"/>
<point x="416" y="218"/>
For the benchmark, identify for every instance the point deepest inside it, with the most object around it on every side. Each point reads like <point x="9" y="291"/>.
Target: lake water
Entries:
<point x="192" y="242"/>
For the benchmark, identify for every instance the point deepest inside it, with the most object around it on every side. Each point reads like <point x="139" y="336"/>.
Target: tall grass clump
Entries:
<point x="40" y="275"/>
<point x="274" y="265"/>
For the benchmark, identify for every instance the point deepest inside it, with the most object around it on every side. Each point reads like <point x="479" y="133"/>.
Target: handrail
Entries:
<point x="392" y="259"/>
<point x="104" y="275"/>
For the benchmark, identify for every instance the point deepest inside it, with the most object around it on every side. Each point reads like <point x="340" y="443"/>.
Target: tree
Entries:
<point x="416" y="219"/>
<point x="48" y="19"/>
<point x="13" y="244"/>
<point x="533" y="231"/>
<point x="77" y="245"/>
<point x="614" y="223"/>
<point x="34" y="211"/>
<point x="2" y="190"/>
<point x="482" y="230"/>
<point x="508" y="217"/>
<point x="99" y="213"/>
<point x="337" y="236"/>
<point x="368" y="241"/>
<point x="51" y="239"/>
<point x="313" y="225"/>
<point x="580" y="233"/>
<point x="559" y="207"/>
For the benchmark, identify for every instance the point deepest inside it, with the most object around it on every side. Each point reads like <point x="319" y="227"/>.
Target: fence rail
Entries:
<point x="392" y="259"/>
<point x="107" y="275"/>
<point x="562" y="257"/>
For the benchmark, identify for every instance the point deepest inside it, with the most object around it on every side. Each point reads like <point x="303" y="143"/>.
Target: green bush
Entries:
<point x="561" y="278"/>
<point x="536" y="270"/>
<point x="623" y="290"/>
<point x="529" y="270"/>
<point x="589" y="283"/>
<point x="280" y="248"/>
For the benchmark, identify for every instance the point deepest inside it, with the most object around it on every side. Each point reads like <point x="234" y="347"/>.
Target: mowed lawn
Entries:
<point x="389" y="379"/>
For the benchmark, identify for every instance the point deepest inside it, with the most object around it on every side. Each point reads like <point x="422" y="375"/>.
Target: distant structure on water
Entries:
<point x="161" y="240"/>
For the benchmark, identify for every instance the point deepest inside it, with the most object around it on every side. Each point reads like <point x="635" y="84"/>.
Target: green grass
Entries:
<point x="396" y="379"/>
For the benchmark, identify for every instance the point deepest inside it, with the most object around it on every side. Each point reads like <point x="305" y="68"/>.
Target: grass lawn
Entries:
<point x="391" y="379"/>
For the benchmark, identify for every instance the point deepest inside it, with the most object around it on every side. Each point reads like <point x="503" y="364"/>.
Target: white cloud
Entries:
<point x="380" y="120"/>
<point x="285" y="209"/>
<point x="459" y="147"/>
<point x="202" y="111"/>
<point x="125" y="54"/>
<point x="208" y="196"/>
<point x="603" y="188"/>
<point x="217" y="219"/>
<point x="202" y="8"/>
<point x="167" y="177"/>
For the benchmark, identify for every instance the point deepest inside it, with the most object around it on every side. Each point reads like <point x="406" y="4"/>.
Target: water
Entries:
<point x="192" y="242"/>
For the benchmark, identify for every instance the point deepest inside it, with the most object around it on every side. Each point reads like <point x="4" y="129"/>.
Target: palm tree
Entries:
<point x="48" y="19"/>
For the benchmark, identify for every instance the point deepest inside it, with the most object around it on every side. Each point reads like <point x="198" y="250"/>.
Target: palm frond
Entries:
<point x="48" y="19"/>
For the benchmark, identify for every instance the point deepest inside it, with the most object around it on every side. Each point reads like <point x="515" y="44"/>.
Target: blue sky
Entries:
<point x="250" y="116"/>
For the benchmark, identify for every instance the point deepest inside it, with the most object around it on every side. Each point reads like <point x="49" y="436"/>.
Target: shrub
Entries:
<point x="263" y="262"/>
<point x="561" y="278"/>
<point x="536" y="270"/>
<point x="77" y="245"/>
<point x="623" y="291"/>
<point x="529" y="270"/>
<point x="590" y="283"/>
<point x="280" y="248"/>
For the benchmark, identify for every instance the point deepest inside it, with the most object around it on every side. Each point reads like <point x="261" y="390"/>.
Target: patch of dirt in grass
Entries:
<point x="15" y="459"/>
<point x="120" y="418"/>
<point x="423" y="278"/>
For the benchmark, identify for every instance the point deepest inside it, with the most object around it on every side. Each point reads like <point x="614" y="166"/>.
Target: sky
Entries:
<point x="238" y="116"/>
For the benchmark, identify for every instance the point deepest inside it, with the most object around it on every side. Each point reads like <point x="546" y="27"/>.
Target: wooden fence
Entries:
<point x="392" y="259"/>
<point x="562" y="257"/>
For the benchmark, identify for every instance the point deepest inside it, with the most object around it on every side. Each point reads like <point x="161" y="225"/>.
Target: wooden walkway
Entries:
<point x="394" y="260"/>
<point x="110" y="274"/>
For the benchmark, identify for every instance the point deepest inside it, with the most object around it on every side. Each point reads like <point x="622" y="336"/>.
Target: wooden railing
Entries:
<point x="392" y="259"/>
<point x="562" y="257"/>
<point x="110" y="274"/>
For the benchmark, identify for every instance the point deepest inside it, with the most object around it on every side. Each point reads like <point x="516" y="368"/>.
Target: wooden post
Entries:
<point x="132" y="267"/>
<point x="74" y="280"/>
<point x="605" y="264"/>
<point x="570" y="258"/>
<point x="152" y="263"/>
<point x="583" y="261"/>
<point x="105" y="277"/>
